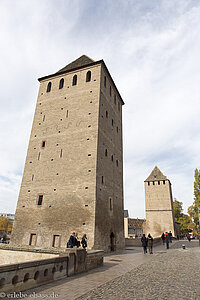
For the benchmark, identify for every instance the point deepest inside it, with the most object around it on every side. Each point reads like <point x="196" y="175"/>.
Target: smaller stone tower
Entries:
<point x="159" y="204"/>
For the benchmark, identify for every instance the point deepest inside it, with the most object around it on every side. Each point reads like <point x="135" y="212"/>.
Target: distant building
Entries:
<point x="159" y="204"/>
<point x="133" y="227"/>
<point x="7" y="224"/>
<point x="8" y="216"/>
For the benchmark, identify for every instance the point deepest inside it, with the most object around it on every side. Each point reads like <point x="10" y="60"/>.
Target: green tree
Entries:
<point x="186" y="223"/>
<point x="177" y="209"/>
<point x="193" y="210"/>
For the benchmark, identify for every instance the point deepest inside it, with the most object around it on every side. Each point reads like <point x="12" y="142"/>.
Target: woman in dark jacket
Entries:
<point x="71" y="243"/>
<point x="84" y="241"/>
<point x="150" y="243"/>
<point x="144" y="243"/>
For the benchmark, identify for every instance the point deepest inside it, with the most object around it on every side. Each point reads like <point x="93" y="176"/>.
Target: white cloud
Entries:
<point x="152" y="51"/>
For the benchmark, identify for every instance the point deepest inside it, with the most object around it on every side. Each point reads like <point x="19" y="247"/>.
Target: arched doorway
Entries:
<point x="112" y="242"/>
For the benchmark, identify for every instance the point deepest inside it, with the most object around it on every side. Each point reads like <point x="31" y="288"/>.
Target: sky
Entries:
<point x="152" y="50"/>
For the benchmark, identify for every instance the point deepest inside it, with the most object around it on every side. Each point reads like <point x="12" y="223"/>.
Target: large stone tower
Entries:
<point x="159" y="204"/>
<point x="73" y="175"/>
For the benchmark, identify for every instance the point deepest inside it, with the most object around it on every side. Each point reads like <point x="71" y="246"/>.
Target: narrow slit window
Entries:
<point x="43" y="118"/>
<point x="40" y="200"/>
<point x="67" y="114"/>
<point x="110" y="91"/>
<point x="74" y="81"/>
<point x="112" y="122"/>
<point x="88" y="76"/>
<point x="110" y="203"/>
<point x="61" y="83"/>
<point x="115" y="99"/>
<point x="106" y="114"/>
<point x="61" y="152"/>
<point x="106" y="152"/>
<point x="104" y="81"/>
<point x="32" y="177"/>
<point x="102" y="180"/>
<point x="43" y="144"/>
<point x="117" y="129"/>
<point x="117" y="163"/>
<point x="48" y="87"/>
<point x="118" y="106"/>
<point x="112" y="157"/>
<point x="39" y="156"/>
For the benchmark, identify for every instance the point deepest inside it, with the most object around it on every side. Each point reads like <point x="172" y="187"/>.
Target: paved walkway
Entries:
<point x="133" y="275"/>
<point x="172" y="275"/>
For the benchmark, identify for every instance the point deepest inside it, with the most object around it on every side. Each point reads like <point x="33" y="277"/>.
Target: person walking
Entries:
<point x="170" y="237"/>
<point x="188" y="237"/>
<point x="84" y="241"/>
<point x="163" y="238"/>
<point x="167" y="239"/>
<point x="150" y="243"/>
<point x="144" y="243"/>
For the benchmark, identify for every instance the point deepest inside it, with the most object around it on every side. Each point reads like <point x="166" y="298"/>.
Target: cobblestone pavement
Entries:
<point x="129" y="274"/>
<point x="191" y="244"/>
<point x="173" y="275"/>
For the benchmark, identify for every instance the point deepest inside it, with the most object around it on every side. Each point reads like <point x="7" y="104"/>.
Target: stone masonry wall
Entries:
<point x="159" y="208"/>
<point x="64" y="171"/>
<point x="109" y="205"/>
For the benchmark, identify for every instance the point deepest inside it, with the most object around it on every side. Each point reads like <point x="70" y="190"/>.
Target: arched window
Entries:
<point x="48" y="87"/>
<point x="88" y="76"/>
<point x="61" y="84"/>
<point x="74" y="81"/>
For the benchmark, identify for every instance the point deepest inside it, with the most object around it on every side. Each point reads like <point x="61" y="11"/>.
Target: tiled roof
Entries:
<point x="79" y="62"/>
<point x="135" y="223"/>
<point x="156" y="175"/>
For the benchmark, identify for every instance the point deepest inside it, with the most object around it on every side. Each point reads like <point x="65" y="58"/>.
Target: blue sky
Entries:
<point x="152" y="51"/>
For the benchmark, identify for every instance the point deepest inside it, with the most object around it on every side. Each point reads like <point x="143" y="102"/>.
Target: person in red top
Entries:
<point x="188" y="237"/>
<point x="167" y="239"/>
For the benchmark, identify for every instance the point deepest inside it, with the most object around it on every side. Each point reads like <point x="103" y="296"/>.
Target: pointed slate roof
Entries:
<point x="156" y="175"/>
<point x="79" y="62"/>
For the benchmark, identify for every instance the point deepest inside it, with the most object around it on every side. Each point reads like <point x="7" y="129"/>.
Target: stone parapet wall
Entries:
<point x="22" y="276"/>
<point x="94" y="259"/>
